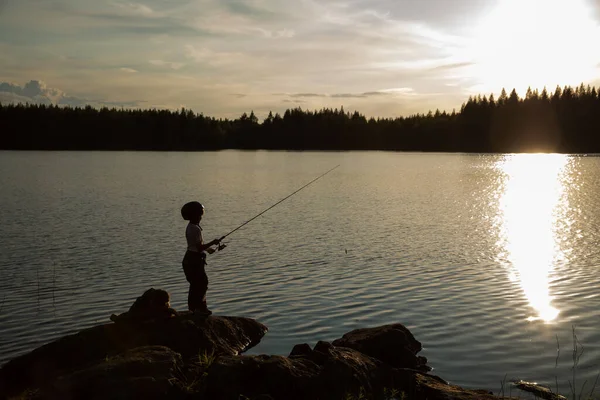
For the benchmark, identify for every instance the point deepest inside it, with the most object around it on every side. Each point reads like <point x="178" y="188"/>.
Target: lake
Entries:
<point x="490" y="260"/>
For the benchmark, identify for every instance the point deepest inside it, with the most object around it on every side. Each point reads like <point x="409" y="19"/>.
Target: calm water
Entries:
<point x="486" y="259"/>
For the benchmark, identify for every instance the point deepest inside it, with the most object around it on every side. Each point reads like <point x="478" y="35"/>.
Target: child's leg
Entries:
<point x="202" y="288"/>
<point x="193" y="267"/>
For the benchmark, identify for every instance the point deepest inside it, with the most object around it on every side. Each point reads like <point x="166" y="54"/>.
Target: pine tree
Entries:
<point x="514" y="97"/>
<point x="529" y="94"/>
<point x="503" y="97"/>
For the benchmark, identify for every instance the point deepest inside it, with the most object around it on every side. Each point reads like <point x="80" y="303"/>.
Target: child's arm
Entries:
<point x="204" y="247"/>
<point x="197" y="237"/>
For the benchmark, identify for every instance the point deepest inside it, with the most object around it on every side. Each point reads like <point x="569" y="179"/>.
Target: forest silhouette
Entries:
<point x="565" y="121"/>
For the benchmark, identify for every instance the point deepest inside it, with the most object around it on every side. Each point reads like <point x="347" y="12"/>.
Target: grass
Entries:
<point x="193" y="379"/>
<point x="388" y="394"/>
<point x="502" y="386"/>
<point x="576" y="354"/>
<point x="205" y="359"/>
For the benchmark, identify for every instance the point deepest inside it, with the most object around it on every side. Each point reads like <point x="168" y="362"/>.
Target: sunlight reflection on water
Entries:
<point x="531" y="204"/>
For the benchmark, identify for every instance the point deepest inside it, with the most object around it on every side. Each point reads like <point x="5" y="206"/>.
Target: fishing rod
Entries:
<point x="222" y="246"/>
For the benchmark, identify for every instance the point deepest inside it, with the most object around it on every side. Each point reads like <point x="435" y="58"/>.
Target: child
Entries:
<point x="195" y="258"/>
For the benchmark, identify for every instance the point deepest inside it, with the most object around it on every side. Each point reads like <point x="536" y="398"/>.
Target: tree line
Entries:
<point x="565" y="121"/>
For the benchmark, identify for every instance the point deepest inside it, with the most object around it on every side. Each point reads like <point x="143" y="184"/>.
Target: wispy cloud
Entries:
<point x="300" y="95"/>
<point x="400" y="90"/>
<point x="137" y="9"/>
<point x="166" y="64"/>
<point x="363" y="95"/>
<point x="115" y="19"/>
<point x="278" y="34"/>
<point x="215" y="58"/>
<point x="249" y="8"/>
<point x="456" y="65"/>
<point x="357" y="95"/>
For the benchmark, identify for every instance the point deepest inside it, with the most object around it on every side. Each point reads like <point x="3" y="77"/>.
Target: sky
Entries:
<point x="384" y="58"/>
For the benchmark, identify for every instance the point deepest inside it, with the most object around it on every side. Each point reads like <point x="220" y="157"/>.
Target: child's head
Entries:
<point x="192" y="211"/>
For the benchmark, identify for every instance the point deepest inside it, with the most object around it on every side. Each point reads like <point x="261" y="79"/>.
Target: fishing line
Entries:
<point x="274" y="205"/>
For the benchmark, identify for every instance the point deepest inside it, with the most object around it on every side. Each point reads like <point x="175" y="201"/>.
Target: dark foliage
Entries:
<point x="564" y="121"/>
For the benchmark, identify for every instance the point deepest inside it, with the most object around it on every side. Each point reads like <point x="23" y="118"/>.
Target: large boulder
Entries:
<point x="325" y="372"/>
<point x="184" y="333"/>
<point x="151" y="372"/>
<point x="393" y="344"/>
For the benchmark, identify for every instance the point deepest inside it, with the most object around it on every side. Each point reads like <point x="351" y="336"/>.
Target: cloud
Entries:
<point x="167" y="64"/>
<point x="128" y="70"/>
<point x="251" y="8"/>
<point x="118" y="19"/>
<point x="307" y="95"/>
<point x="294" y="101"/>
<point x="138" y="9"/>
<point x="240" y="18"/>
<point x="400" y="90"/>
<point x="207" y="56"/>
<point x="277" y="34"/>
<point x="363" y="95"/>
<point x="454" y="65"/>
<point x="352" y="95"/>
<point x="37" y="92"/>
<point x="348" y="96"/>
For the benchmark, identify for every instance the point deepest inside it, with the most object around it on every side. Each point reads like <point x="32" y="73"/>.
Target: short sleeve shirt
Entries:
<point x="193" y="234"/>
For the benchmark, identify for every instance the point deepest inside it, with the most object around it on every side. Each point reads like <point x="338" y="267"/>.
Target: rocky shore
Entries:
<point x="154" y="352"/>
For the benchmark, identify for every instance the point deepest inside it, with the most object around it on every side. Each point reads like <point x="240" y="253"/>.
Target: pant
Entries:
<point x="193" y="267"/>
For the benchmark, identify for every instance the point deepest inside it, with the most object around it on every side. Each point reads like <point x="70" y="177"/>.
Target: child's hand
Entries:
<point x="210" y="250"/>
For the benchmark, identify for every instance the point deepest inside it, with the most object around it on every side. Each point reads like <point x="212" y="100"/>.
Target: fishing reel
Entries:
<point x="220" y="247"/>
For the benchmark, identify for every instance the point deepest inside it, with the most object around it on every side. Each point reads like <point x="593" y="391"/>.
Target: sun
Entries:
<point x="536" y="43"/>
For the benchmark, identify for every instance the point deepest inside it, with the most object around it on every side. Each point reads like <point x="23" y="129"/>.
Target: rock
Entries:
<point x="277" y="376"/>
<point x="150" y="372"/>
<point x="392" y="344"/>
<point x="151" y="355"/>
<point x="153" y="304"/>
<point x="326" y="372"/>
<point x="186" y="334"/>
<point x="300" y="350"/>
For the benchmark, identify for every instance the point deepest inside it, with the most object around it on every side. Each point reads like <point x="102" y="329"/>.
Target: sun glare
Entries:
<point x="535" y="43"/>
<point x="531" y="204"/>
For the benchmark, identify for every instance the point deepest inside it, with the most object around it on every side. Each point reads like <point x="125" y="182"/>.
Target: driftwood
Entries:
<point x="538" y="390"/>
